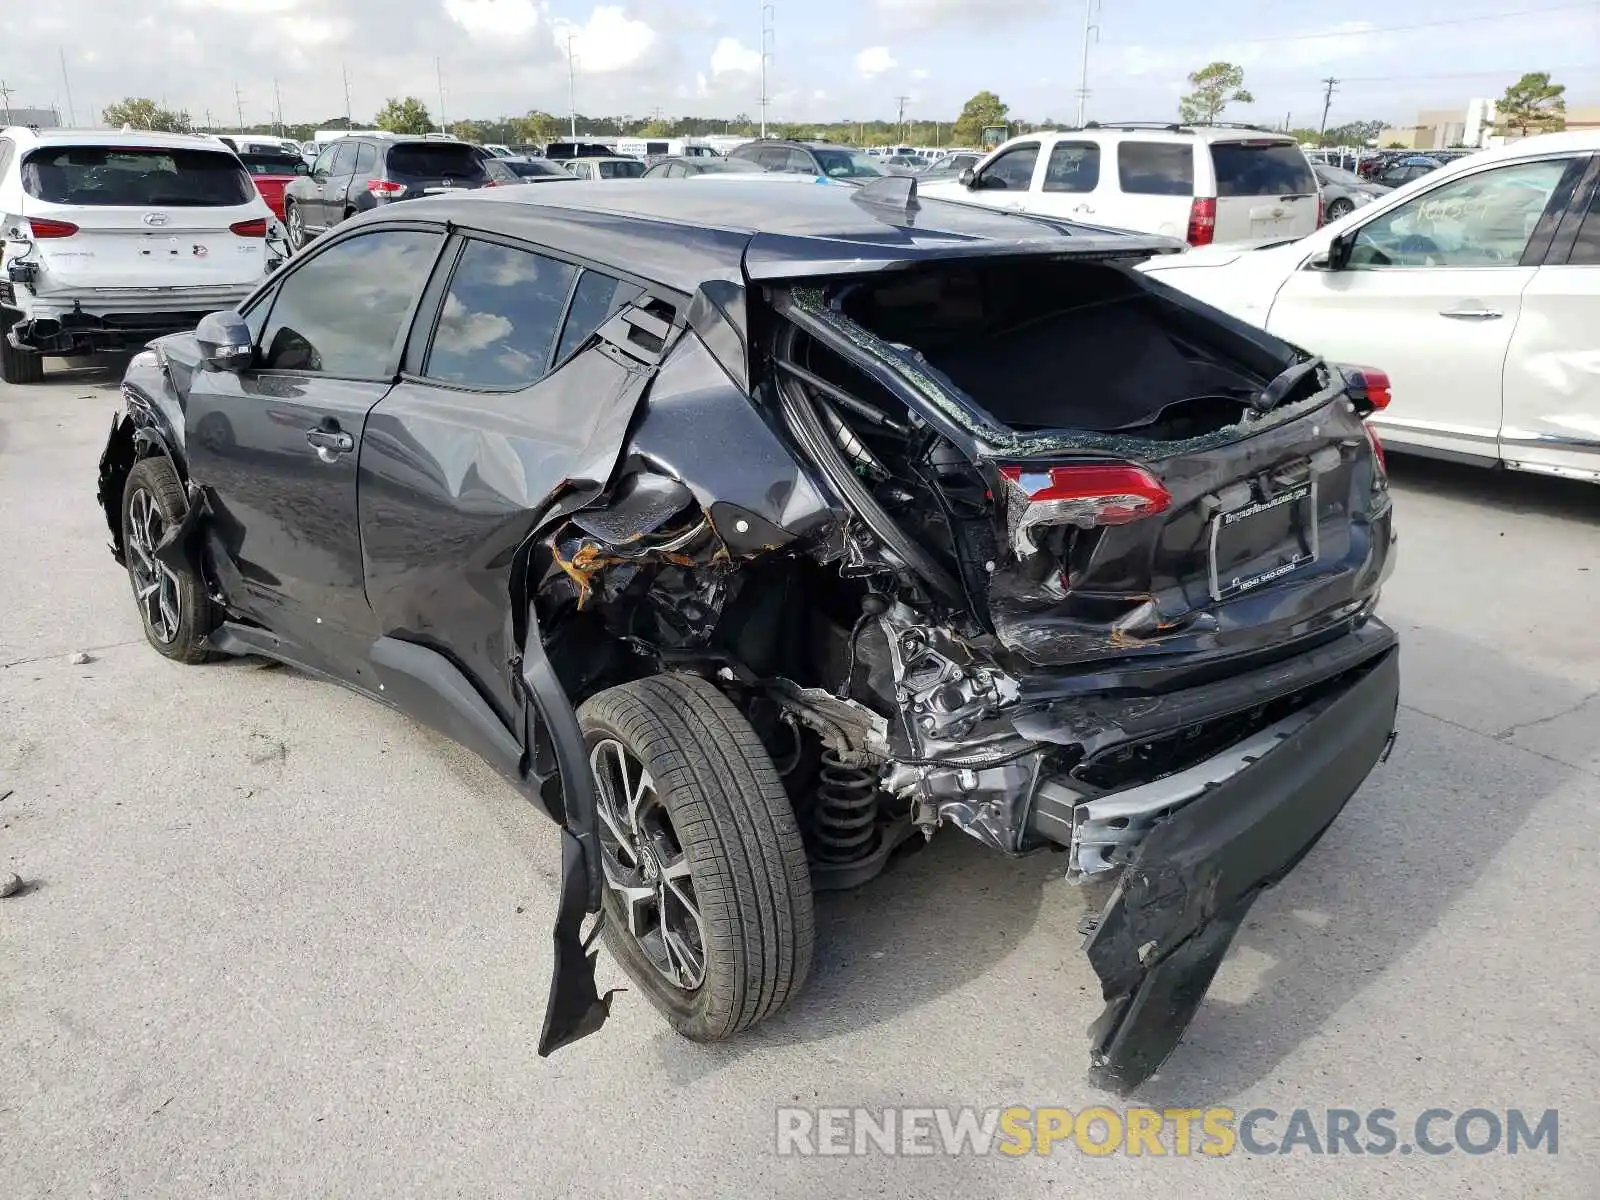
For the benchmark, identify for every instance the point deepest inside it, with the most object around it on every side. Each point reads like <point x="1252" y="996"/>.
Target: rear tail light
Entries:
<point x="1089" y="496"/>
<point x="1322" y="213"/>
<point x="251" y="229"/>
<point x="51" y="229"/>
<point x="385" y="187"/>
<point x="1368" y="389"/>
<point x="1202" y="222"/>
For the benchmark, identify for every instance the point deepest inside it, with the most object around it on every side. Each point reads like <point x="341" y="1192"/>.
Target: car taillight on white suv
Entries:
<point x="1202" y="221"/>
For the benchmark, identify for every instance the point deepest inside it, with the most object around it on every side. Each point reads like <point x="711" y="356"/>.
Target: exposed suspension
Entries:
<point x="846" y="817"/>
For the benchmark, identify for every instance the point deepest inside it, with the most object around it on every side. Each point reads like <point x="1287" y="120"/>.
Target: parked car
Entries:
<point x="356" y="174"/>
<point x="950" y="167"/>
<point x="684" y="168"/>
<point x="534" y="170"/>
<point x="110" y="239"/>
<point x="902" y="164"/>
<point x="272" y="170"/>
<point x="604" y="168"/>
<point x="1402" y="171"/>
<point x="1344" y="191"/>
<point x="809" y="158"/>
<point x="1477" y="287"/>
<point x="749" y="540"/>
<point x="1204" y="184"/>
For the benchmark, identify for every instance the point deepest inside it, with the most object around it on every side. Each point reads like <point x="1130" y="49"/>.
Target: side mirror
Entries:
<point x="968" y="177"/>
<point x="1339" y="250"/>
<point x="225" y="341"/>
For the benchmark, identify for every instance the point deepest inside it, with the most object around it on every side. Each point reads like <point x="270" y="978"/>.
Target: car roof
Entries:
<point x="682" y="237"/>
<point x="142" y="138"/>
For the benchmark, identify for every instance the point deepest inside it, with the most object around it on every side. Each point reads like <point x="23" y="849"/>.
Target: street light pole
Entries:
<point x="572" y="89"/>
<point x="1091" y="8"/>
<point x="768" y="39"/>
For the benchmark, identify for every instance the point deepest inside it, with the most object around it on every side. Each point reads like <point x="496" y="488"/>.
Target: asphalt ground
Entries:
<point x="276" y="940"/>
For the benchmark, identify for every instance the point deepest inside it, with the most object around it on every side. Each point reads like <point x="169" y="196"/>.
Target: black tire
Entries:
<point x="294" y="226"/>
<point x="18" y="366"/>
<point x="1339" y="208"/>
<point x="180" y="606"/>
<point x="729" y="813"/>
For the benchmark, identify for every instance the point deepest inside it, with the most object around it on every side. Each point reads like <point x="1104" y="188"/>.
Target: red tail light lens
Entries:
<point x="1202" y="222"/>
<point x="250" y="229"/>
<point x="51" y="229"/>
<point x="385" y="187"/>
<point x="1088" y="496"/>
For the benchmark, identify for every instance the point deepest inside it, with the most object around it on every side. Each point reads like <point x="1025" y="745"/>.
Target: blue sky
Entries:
<point x="831" y="58"/>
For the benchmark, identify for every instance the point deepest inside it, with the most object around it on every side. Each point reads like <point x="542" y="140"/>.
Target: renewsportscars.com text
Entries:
<point x="1182" y="1132"/>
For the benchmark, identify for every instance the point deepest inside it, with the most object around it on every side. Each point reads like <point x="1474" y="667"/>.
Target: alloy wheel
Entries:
<point x="646" y="867"/>
<point x="155" y="585"/>
<point x="297" y="228"/>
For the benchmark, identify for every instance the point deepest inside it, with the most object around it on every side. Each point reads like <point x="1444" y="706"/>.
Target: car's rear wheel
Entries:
<point x="17" y="366"/>
<point x="1340" y="208"/>
<point x="173" y="606"/>
<point x="295" y="223"/>
<point x="708" y="895"/>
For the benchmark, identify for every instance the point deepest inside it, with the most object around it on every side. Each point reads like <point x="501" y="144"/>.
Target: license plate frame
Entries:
<point x="1303" y="496"/>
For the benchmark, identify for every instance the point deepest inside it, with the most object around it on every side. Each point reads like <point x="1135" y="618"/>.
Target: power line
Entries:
<point x="1346" y="33"/>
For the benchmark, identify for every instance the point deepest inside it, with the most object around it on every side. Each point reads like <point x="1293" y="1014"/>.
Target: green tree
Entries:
<point x="1216" y="86"/>
<point x="146" y="114"/>
<point x="1533" y="104"/>
<point x="656" y="129"/>
<point x="1355" y="133"/>
<point x="469" y="131"/>
<point x="536" y="128"/>
<point x="409" y="115"/>
<point x="982" y="110"/>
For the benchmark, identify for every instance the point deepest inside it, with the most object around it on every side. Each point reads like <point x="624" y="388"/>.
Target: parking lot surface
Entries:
<point x="279" y="940"/>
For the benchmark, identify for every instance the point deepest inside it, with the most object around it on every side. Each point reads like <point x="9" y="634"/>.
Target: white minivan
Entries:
<point x="1204" y="184"/>
<point x="111" y="239"/>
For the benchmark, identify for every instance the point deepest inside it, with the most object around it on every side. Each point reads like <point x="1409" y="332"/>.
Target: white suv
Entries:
<point x="1205" y="184"/>
<point x="111" y="239"/>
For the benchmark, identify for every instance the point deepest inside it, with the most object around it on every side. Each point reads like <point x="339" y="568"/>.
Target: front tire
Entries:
<point x="708" y="895"/>
<point x="173" y="606"/>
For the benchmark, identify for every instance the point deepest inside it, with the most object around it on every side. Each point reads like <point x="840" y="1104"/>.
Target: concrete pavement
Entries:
<point x="281" y="941"/>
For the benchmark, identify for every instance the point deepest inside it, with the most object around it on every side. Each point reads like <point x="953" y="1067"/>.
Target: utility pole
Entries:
<point x="238" y="101"/>
<point x="901" y="101"/>
<point x="209" y="125"/>
<point x="1327" y="102"/>
<point x="438" y="74"/>
<point x="5" y="95"/>
<point x="572" y="89"/>
<point x="769" y="36"/>
<point x="72" y="115"/>
<point x="1091" y="30"/>
<point x="277" y="101"/>
<point x="346" y="72"/>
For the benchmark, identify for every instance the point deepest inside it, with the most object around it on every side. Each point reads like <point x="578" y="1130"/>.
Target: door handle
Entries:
<point x="1471" y="314"/>
<point x="329" y="443"/>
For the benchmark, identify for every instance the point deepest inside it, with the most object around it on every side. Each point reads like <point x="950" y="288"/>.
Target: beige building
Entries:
<point x="1441" y="128"/>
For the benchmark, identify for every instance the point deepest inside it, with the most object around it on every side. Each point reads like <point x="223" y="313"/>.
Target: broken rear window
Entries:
<point x="129" y="176"/>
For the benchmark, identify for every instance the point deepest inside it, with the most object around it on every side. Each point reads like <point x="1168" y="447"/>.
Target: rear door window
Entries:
<point x="1156" y="168"/>
<point x="1073" y="167"/>
<point x="596" y="297"/>
<point x="1586" y="250"/>
<point x="344" y="162"/>
<point x="366" y="158"/>
<point x="129" y="176"/>
<point x="341" y="313"/>
<point x="1261" y="169"/>
<point x="433" y="160"/>
<point x="501" y="313"/>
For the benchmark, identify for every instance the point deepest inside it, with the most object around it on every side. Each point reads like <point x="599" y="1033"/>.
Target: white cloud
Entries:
<point x="922" y="14"/>
<point x="609" y="41"/>
<point x="874" y="60"/>
<point x="730" y="56"/>
<point x="919" y="73"/>
<point x="491" y="19"/>
<point x="249" y="8"/>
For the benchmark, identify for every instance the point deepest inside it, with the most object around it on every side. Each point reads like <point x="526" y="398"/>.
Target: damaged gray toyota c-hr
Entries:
<point x="750" y="530"/>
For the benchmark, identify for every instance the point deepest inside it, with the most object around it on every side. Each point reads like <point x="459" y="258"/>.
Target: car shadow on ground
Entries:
<point x="1496" y="488"/>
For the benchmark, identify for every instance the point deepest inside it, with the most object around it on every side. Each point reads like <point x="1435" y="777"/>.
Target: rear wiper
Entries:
<point x="1276" y="392"/>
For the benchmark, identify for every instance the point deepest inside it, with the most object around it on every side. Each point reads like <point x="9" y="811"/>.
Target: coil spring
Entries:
<point x="845" y="825"/>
